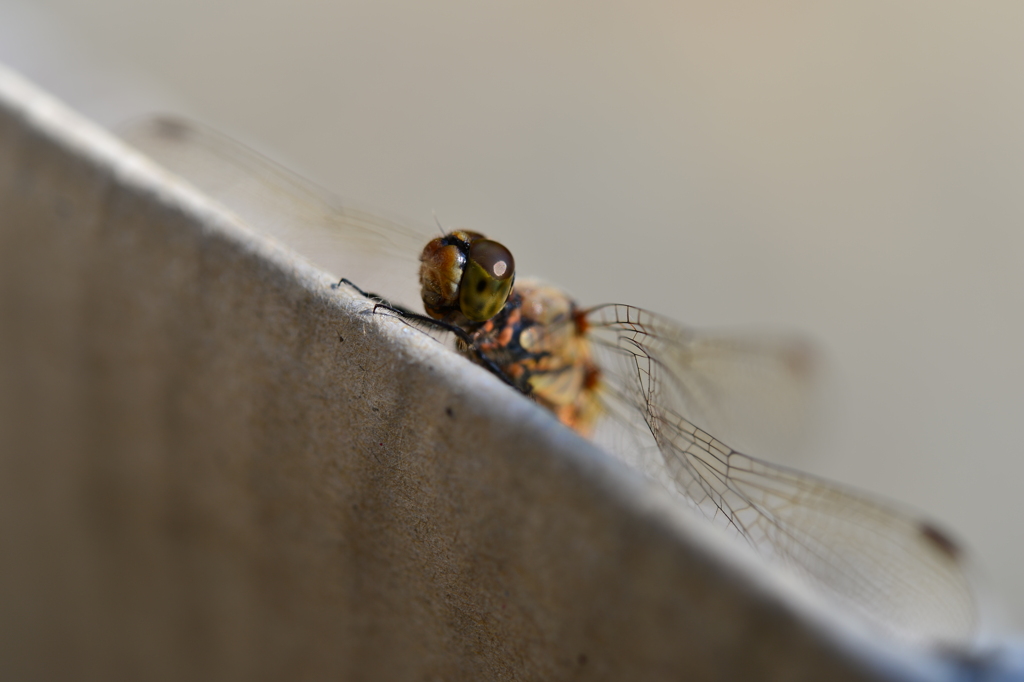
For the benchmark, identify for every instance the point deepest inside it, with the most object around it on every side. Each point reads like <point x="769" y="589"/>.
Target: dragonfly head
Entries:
<point x="465" y="277"/>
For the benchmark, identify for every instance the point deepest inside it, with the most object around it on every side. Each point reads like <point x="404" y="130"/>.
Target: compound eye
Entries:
<point x="486" y="281"/>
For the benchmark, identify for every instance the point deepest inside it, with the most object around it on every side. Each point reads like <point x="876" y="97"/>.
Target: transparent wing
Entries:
<point x="378" y="254"/>
<point x="889" y="565"/>
<point x="756" y="391"/>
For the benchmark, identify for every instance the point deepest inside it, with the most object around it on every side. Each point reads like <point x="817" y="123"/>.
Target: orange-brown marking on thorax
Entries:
<point x="539" y="343"/>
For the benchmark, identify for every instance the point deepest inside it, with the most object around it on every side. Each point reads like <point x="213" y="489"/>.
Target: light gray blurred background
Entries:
<point x="853" y="172"/>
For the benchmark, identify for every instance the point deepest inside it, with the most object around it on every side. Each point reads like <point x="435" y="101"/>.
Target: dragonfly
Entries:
<point x="649" y="389"/>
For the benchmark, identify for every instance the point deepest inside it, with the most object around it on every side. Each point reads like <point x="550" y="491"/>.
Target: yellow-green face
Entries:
<point x="486" y="281"/>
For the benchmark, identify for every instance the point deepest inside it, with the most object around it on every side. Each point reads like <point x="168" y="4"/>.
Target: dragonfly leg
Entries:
<point x="383" y="302"/>
<point x="406" y="314"/>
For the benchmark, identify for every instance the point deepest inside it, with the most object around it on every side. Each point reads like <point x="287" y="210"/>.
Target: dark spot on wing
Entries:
<point x="941" y="541"/>
<point x="171" y="128"/>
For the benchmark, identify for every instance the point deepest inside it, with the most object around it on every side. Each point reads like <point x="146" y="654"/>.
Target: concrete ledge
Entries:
<point x="213" y="466"/>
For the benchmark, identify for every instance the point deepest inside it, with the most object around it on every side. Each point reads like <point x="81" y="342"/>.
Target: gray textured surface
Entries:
<point x="212" y="466"/>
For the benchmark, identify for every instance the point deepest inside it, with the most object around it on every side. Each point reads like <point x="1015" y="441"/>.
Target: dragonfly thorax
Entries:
<point x="538" y="343"/>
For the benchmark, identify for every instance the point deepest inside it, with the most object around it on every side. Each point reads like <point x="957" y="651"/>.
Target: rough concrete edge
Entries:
<point x="621" y="486"/>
